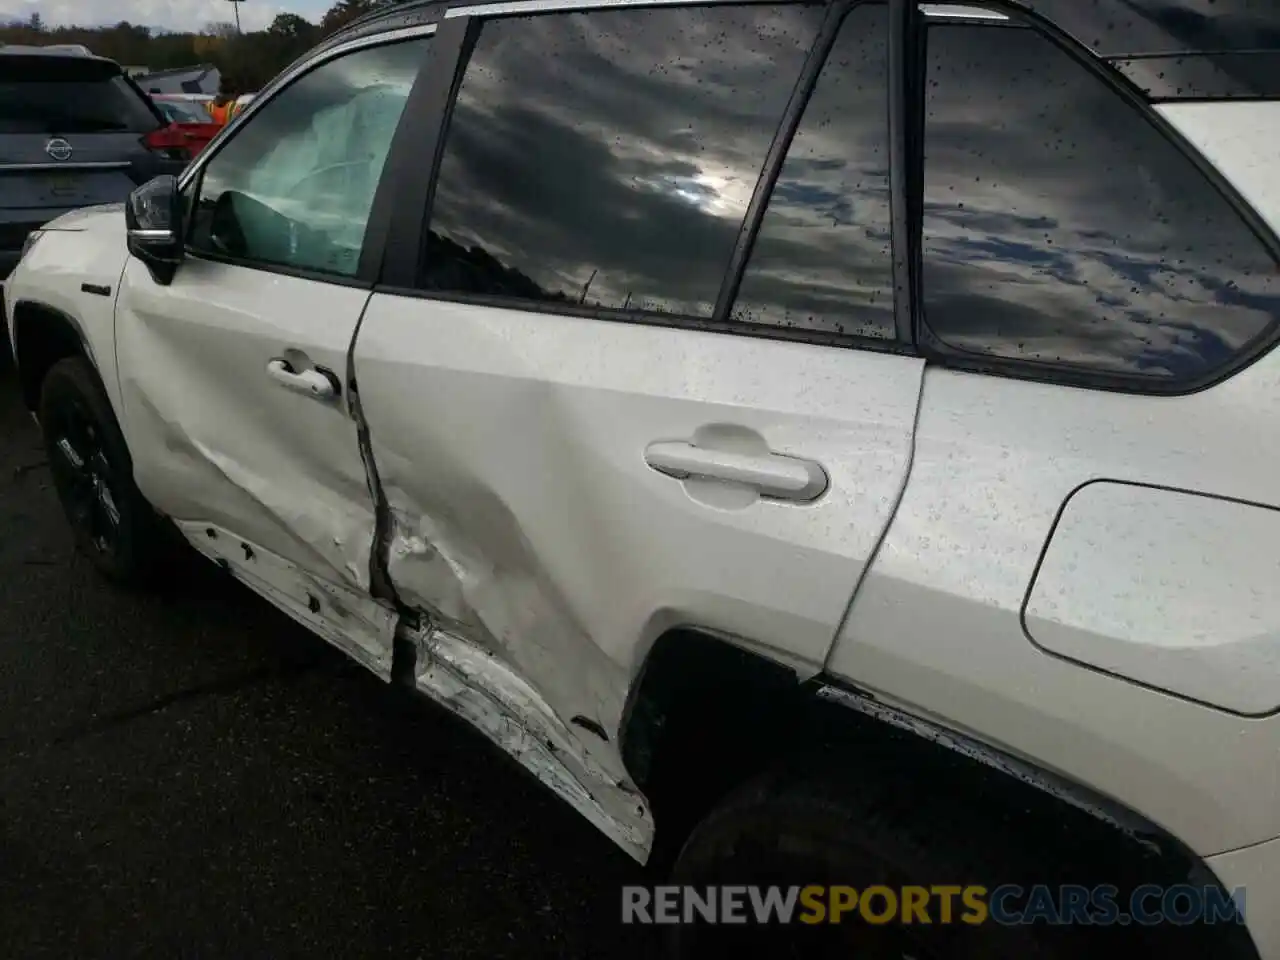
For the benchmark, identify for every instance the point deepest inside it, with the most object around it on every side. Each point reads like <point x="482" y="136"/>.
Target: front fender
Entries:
<point x="72" y="273"/>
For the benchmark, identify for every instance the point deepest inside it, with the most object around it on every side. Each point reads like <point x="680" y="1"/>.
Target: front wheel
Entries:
<point x="113" y="524"/>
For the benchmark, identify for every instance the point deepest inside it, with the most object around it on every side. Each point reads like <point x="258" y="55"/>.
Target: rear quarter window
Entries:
<point x="1060" y="227"/>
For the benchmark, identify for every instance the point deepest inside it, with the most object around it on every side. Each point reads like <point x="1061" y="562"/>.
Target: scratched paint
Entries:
<point x="484" y="691"/>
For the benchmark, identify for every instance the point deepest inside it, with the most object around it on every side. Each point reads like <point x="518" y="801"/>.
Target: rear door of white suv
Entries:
<point x="628" y="382"/>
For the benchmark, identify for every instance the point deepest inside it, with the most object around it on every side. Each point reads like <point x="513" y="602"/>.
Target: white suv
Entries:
<point x="824" y="443"/>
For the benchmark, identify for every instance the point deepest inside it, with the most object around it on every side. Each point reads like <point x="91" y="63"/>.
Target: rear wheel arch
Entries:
<point x="706" y="717"/>
<point x="696" y="726"/>
<point x="42" y="336"/>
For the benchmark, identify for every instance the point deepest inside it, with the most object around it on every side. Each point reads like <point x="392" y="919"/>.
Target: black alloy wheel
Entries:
<point x="84" y="477"/>
<point x="112" y="522"/>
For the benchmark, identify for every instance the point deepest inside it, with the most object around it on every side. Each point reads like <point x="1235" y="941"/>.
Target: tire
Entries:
<point x="112" y="522"/>
<point x="802" y="830"/>
<point x="6" y="345"/>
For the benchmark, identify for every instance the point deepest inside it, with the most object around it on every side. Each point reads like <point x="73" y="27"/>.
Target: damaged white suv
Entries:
<point x="826" y="443"/>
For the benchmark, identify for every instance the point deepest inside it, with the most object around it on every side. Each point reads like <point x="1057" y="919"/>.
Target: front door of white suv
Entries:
<point x="233" y="376"/>
<point x="580" y="449"/>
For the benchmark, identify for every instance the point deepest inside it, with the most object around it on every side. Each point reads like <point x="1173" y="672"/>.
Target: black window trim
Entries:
<point x="280" y="269"/>
<point x="1177" y="81"/>
<point x="941" y="354"/>
<point x="413" y="187"/>
<point x="137" y="91"/>
<point x="792" y="117"/>
<point x="381" y="209"/>
<point x="776" y="156"/>
<point x="903" y="194"/>
<point x="410" y="188"/>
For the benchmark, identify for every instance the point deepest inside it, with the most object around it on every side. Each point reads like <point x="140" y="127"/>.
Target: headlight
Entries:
<point x="30" y="242"/>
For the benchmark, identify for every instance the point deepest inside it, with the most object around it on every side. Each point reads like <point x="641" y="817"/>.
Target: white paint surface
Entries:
<point x="1240" y="138"/>
<point x="511" y="447"/>
<point x="359" y="626"/>
<point x="936" y="628"/>
<point x="1257" y="870"/>
<point x="86" y="246"/>
<point x="1174" y="590"/>
<point x="217" y="441"/>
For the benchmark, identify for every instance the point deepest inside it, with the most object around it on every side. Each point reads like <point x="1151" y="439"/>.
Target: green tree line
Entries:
<point x="246" y="61"/>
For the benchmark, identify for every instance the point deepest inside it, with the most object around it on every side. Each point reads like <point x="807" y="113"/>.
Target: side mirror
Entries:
<point x="153" y="217"/>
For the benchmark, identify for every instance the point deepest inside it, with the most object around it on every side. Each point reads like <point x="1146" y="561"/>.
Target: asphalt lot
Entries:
<point x="193" y="775"/>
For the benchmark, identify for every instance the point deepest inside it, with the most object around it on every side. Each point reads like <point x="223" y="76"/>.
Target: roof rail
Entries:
<point x="380" y="12"/>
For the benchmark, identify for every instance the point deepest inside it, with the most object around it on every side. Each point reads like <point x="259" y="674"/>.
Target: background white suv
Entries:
<point x="825" y="443"/>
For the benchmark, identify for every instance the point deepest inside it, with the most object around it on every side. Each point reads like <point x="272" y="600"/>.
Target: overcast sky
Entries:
<point x="171" y="14"/>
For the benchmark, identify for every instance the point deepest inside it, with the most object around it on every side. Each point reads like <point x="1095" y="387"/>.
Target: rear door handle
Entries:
<point x="772" y="475"/>
<point x="314" y="382"/>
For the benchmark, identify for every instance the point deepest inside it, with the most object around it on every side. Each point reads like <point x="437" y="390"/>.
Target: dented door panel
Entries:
<point x="345" y="616"/>
<point x="218" y="443"/>
<point x="526" y="522"/>
<point x="487" y="692"/>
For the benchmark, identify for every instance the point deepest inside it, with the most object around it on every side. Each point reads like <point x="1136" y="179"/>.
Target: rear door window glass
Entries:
<point x="823" y="258"/>
<point x="607" y="158"/>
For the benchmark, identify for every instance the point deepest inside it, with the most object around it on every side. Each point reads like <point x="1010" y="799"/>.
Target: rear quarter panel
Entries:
<point x="937" y="625"/>
<point x="946" y="622"/>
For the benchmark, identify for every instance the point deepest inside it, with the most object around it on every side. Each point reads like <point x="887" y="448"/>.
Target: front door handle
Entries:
<point x="314" y="381"/>
<point x="770" y="474"/>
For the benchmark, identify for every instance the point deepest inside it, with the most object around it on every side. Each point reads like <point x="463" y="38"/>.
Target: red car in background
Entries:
<point x="188" y="118"/>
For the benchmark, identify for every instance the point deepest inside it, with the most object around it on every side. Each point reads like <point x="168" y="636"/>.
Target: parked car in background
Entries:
<point x="191" y="117"/>
<point x="200" y="101"/>
<point x="178" y="110"/>
<point x="74" y="131"/>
